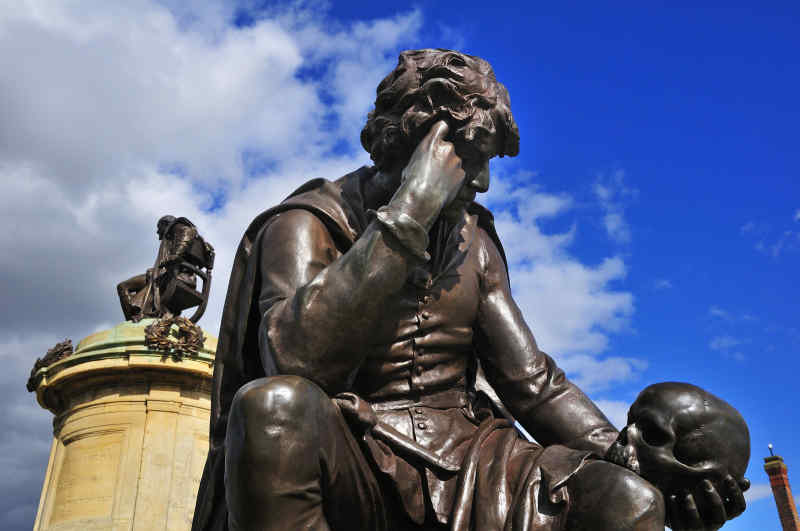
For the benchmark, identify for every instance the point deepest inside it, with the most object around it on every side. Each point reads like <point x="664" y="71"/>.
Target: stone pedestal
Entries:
<point x="130" y="434"/>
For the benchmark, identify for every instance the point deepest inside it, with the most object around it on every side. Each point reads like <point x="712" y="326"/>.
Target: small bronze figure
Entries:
<point x="359" y="316"/>
<point x="170" y="286"/>
<point x="682" y="439"/>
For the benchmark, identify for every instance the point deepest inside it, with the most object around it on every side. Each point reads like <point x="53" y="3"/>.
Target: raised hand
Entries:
<point x="431" y="179"/>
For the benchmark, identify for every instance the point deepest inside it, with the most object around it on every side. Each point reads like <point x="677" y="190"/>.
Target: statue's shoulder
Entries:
<point x="338" y="204"/>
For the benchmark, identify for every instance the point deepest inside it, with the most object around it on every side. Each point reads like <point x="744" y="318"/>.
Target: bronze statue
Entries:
<point x="360" y="314"/>
<point x="681" y="438"/>
<point x="170" y="286"/>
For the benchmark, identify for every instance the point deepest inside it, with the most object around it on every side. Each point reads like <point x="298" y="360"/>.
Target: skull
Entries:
<point x="679" y="435"/>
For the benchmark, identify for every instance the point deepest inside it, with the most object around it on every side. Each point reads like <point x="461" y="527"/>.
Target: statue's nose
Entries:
<point x="480" y="179"/>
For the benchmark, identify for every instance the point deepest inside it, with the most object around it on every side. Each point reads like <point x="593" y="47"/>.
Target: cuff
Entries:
<point x="406" y="229"/>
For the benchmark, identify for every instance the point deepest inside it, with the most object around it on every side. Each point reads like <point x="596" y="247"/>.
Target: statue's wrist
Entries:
<point x="405" y="229"/>
<point x="423" y="206"/>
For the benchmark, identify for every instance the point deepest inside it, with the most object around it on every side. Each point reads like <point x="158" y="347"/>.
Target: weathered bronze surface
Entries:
<point x="170" y="286"/>
<point x="360" y="315"/>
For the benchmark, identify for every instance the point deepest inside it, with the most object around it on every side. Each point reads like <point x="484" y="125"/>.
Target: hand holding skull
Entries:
<point x="693" y="447"/>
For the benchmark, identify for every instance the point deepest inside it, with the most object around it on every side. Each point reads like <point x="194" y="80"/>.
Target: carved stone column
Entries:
<point x="130" y="433"/>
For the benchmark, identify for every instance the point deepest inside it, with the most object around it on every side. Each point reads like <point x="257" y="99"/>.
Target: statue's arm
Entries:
<point x="527" y="380"/>
<point x="319" y="306"/>
<point x="185" y="238"/>
<point x="184" y="235"/>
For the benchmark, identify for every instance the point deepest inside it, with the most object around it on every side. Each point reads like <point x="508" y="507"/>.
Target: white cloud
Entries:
<point x="748" y="227"/>
<point x="723" y="343"/>
<point x="662" y="283"/>
<point x="788" y="240"/>
<point x="758" y="491"/>
<point x="571" y="307"/>
<point x="616" y="411"/>
<point x="719" y="313"/>
<point x="768" y="241"/>
<point x="613" y="194"/>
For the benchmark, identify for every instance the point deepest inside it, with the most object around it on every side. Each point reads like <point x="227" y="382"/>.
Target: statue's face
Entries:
<point x="475" y="157"/>
<point x="675" y="439"/>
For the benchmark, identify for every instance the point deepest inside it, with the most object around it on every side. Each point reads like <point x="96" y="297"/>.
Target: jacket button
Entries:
<point x="418" y="369"/>
<point x="418" y="411"/>
<point x="421" y="426"/>
<point x="426" y="315"/>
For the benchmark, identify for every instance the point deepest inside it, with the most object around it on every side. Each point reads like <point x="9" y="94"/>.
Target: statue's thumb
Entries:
<point x="356" y="410"/>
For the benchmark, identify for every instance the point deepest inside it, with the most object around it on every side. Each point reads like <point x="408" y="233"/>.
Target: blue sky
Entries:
<point x="652" y="218"/>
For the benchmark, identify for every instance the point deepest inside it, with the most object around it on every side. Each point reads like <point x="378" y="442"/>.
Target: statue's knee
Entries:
<point x="613" y="497"/>
<point x="278" y="403"/>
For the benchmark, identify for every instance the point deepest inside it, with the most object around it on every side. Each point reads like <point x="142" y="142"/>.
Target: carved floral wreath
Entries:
<point x="187" y="340"/>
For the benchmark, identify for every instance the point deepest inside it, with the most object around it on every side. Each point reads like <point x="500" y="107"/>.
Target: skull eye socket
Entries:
<point x="692" y="450"/>
<point x="653" y="434"/>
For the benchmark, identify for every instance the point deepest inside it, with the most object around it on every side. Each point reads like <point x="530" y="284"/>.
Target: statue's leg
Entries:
<point x="292" y="463"/>
<point x="124" y="290"/>
<point x="607" y="497"/>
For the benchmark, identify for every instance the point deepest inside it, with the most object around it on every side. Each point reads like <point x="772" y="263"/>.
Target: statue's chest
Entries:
<point x="440" y="297"/>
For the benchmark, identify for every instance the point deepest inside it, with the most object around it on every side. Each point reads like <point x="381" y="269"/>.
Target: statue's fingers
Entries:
<point x="691" y="515"/>
<point x="675" y="514"/>
<point x="734" y="494"/>
<point x="716" y="516"/>
<point x="744" y="484"/>
<point x="434" y="142"/>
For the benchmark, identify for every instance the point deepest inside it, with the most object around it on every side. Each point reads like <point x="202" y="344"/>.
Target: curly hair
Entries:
<point x="435" y="84"/>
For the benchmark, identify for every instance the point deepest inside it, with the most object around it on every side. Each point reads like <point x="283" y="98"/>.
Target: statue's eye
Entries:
<point x="653" y="434"/>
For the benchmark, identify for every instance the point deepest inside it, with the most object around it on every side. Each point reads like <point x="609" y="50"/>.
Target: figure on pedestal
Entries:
<point x="170" y="286"/>
<point x="361" y="316"/>
<point x="131" y="403"/>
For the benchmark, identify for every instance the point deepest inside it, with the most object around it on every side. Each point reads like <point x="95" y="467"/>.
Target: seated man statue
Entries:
<point x="358" y="314"/>
<point x="139" y="295"/>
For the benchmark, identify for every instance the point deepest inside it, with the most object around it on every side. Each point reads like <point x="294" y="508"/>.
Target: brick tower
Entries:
<point x="779" y="481"/>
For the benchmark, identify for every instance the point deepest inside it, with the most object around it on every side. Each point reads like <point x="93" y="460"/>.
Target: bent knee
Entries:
<point x="280" y="400"/>
<point x="613" y="497"/>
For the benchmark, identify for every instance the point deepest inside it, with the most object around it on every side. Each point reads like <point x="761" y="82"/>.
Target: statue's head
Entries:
<point x="164" y="223"/>
<point x="431" y="85"/>
<point x="679" y="435"/>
